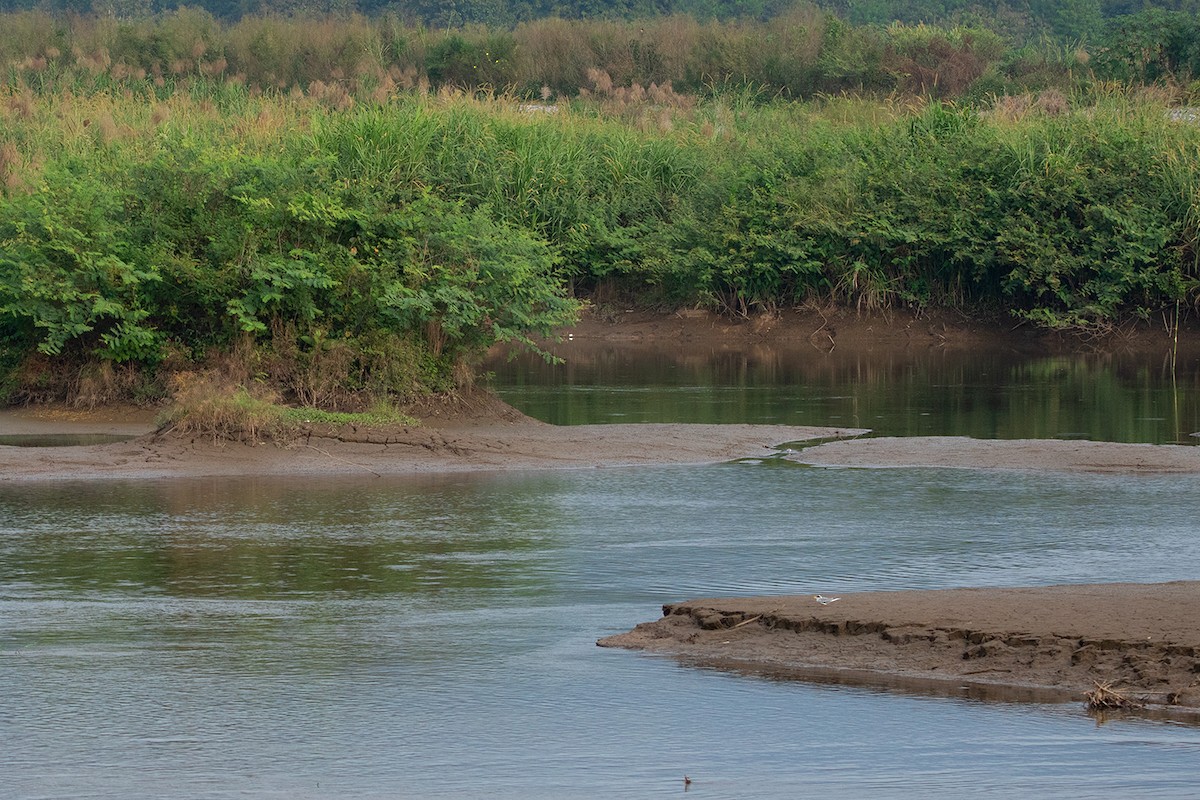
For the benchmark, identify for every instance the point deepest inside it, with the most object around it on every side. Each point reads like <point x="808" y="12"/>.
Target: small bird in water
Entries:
<point x="823" y="600"/>
<point x="687" y="782"/>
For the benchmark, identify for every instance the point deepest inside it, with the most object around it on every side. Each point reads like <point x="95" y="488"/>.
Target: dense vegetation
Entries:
<point x="178" y="195"/>
<point x="800" y="54"/>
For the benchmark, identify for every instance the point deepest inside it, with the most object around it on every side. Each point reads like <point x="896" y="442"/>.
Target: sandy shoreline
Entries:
<point x="958" y="452"/>
<point x="1045" y="643"/>
<point x="520" y="443"/>
<point x="487" y="434"/>
<point x="463" y="446"/>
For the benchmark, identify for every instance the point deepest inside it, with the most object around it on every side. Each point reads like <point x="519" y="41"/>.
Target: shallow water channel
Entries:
<point x="434" y="636"/>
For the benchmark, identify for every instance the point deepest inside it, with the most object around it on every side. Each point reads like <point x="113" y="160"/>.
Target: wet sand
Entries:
<point x="486" y="435"/>
<point x="959" y="452"/>
<point x="1045" y="643"/>
<point x="490" y="435"/>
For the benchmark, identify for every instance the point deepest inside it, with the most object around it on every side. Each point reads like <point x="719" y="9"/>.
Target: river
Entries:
<point x="435" y="636"/>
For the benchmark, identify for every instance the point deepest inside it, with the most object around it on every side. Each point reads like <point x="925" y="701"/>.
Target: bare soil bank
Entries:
<point x="1047" y="643"/>
<point x="880" y="331"/>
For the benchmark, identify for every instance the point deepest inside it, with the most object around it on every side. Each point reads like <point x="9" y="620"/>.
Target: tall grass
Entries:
<point x="798" y="54"/>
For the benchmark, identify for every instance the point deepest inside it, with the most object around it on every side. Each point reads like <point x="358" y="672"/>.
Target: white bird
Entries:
<point x="823" y="600"/>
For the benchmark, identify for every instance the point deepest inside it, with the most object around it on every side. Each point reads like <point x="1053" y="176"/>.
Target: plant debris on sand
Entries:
<point x="1105" y="698"/>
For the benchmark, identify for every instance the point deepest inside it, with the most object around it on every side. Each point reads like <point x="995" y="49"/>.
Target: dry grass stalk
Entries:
<point x="101" y="383"/>
<point x="209" y="404"/>
<point x="1107" y="698"/>
<point x="10" y="167"/>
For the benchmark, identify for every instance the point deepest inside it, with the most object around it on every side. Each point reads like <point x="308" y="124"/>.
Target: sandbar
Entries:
<point x="1044" y="643"/>
<point x="959" y="452"/>
<point x="482" y="435"/>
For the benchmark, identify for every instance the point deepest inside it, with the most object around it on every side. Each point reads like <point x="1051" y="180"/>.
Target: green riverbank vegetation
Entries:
<point x="293" y="205"/>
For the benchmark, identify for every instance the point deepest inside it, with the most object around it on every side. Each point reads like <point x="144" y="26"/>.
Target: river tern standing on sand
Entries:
<point x="823" y="600"/>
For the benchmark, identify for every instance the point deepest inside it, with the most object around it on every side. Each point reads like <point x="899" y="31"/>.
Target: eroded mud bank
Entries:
<point x="1060" y="640"/>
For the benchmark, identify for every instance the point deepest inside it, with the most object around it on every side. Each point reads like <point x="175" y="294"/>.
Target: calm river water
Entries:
<point x="434" y="637"/>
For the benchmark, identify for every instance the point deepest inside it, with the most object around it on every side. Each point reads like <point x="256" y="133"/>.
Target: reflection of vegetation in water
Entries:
<point x="998" y="395"/>
<point x="1102" y="398"/>
<point x="264" y="540"/>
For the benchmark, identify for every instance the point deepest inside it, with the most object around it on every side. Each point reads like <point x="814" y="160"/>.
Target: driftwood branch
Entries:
<point x="343" y="460"/>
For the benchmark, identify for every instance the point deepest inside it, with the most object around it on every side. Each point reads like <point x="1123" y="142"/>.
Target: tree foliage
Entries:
<point x="123" y="254"/>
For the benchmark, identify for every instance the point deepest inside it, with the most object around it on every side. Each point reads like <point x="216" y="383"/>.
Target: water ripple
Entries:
<point x="435" y="638"/>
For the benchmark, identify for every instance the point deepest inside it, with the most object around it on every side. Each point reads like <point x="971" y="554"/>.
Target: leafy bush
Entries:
<point x="1152" y="45"/>
<point x="68" y="273"/>
<point x="190" y="240"/>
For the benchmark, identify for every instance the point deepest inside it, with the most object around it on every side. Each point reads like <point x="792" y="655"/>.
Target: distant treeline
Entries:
<point x="1020" y="20"/>
<point x="803" y="53"/>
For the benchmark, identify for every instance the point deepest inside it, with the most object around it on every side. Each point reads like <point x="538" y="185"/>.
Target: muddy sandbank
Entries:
<point x="497" y="437"/>
<point x="485" y="434"/>
<point x="1046" y="643"/>
<point x="959" y="452"/>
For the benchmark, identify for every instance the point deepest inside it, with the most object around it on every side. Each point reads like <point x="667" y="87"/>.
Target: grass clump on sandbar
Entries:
<point x="207" y="405"/>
